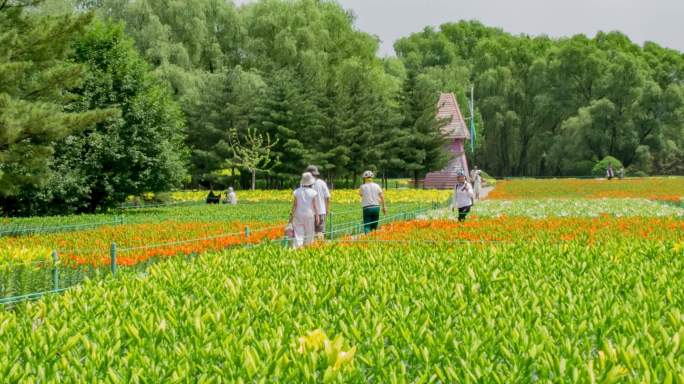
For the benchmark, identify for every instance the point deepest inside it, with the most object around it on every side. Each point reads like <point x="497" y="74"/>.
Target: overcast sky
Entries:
<point x="661" y="21"/>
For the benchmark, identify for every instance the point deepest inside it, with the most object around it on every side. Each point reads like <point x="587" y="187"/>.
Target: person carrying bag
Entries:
<point x="304" y="215"/>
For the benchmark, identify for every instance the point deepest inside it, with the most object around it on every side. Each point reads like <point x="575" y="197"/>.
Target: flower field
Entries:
<point x="374" y="313"/>
<point x="551" y="230"/>
<point x="149" y="235"/>
<point x="550" y="289"/>
<point x="540" y="208"/>
<point x="342" y="196"/>
<point x="164" y="231"/>
<point x="661" y="188"/>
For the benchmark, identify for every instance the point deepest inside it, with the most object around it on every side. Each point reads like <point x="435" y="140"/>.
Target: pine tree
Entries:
<point x="36" y="77"/>
<point x="278" y="116"/>
<point x="421" y="142"/>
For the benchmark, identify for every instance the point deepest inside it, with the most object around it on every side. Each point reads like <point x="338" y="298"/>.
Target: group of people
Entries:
<point x="610" y="173"/>
<point x="229" y="198"/>
<point x="311" y="205"/>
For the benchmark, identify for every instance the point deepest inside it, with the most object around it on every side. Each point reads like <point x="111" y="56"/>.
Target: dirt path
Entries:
<point x="484" y="192"/>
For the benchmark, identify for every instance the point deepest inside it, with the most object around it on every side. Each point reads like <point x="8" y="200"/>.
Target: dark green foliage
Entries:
<point x="137" y="152"/>
<point x="297" y="70"/>
<point x="36" y="79"/>
<point x="420" y="141"/>
<point x="550" y="107"/>
<point x="138" y="149"/>
<point x="91" y="112"/>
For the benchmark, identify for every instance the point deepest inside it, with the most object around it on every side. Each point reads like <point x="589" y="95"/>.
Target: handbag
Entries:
<point x="289" y="230"/>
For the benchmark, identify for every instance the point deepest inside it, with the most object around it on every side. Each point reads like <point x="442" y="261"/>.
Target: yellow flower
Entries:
<point x="313" y="341"/>
<point x="344" y="358"/>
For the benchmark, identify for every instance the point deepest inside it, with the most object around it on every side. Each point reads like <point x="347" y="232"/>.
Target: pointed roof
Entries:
<point x="448" y="108"/>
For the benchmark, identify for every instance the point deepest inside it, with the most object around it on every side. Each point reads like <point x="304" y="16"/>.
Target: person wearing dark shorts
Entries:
<point x="463" y="196"/>
<point x="463" y="212"/>
<point x="372" y="200"/>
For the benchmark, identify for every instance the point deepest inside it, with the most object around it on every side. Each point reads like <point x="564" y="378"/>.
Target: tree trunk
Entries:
<point x="253" y="178"/>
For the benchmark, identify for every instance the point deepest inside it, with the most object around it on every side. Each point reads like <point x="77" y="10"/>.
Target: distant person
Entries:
<point x="304" y="215"/>
<point x="231" y="197"/>
<point x="609" y="172"/>
<point x="372" y="199"/>
<point x="476" y="179"/>
<point x="463" y="196"/>
<point x="213" y="198"/>
<point x="621" y="173"/>
<point x="323" y="201"/>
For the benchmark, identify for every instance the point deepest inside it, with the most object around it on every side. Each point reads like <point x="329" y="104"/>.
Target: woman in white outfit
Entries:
<point x="232" y="197"/>
<point x="304" y="215"/>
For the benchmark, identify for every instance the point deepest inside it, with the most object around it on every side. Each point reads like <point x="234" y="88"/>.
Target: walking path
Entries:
<point x="485" y="191"/>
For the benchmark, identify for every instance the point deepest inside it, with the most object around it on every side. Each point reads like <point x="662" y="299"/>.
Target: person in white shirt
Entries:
<point x="231" y="196"/>
<point x="372" y="199"/>
<point x="304" y="215"/>
<point x="323" y="200"/>
<point x="463" y="196"/>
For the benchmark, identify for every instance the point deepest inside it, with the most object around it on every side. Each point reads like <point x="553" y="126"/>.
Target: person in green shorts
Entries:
<point x="372" y="199"/>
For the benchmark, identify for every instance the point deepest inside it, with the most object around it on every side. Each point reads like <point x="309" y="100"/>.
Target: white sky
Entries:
<point x="661" y="21"/>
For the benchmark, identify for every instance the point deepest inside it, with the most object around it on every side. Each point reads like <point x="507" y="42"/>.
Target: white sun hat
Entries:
<point x="368" y="174"/>
<point x="307" y="179"/>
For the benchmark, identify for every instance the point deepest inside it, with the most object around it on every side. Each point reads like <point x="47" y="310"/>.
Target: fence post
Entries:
<point x="286" y="241"/>
<point x="332" y="232"/>
<point x="55" y="271"/>
<point x="112" y="253"/>
<point x="246" y="231"/>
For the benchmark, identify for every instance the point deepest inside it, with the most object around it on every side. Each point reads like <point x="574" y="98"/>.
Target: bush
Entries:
<point x="601" y="167"/>
<point x="486" y="179"/>
<point x="632" y="172"/>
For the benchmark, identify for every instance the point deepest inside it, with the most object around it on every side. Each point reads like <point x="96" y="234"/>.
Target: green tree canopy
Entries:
<point x="37" y="79"/>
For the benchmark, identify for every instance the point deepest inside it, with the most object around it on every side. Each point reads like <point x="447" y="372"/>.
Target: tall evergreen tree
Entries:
<point x="277" y="116"/>
<point x="140" y="151"/>
<point x="36" y="80"/>
<point x="421" y="140"/>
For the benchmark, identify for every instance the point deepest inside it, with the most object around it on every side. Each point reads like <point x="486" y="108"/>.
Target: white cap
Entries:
<point x="368" y="174"/>
<point x="307" y="179"/>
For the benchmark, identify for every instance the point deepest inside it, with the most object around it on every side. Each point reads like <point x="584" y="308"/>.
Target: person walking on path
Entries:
<point x="323" y="201"/>
<point x="476" y="178"/>
<point x="463" y="196"/>
<point x="609" y="172"/>
<point x="372" y="199"/>
<point x="621" y="173"/>
<point x="231" y="197"/>
<point x="304" y="215"/>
